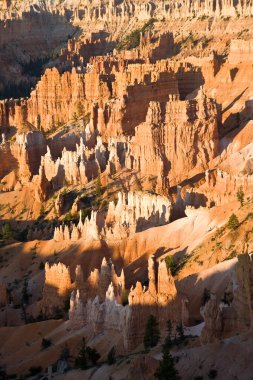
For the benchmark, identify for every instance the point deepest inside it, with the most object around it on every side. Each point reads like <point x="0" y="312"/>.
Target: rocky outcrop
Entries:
<point x="220" y="188"/>
<point x="45" y="233"/>
<point x="8" y="161"/>
<point x="134" y="213"/>
<point x="97" y="286"/>
<point x="56" y="289"/>
<point x="106" y="312"/>
<point x="87" y="230"/>
<point x="113" y="93"/>
<point x="240" y="51"/>
<point x="36" y="30"/>
<point x="178" y="137"/>
<point x="151" y="49"/>
<point x="75" y="167"/>
<point x="243" y="292"/>
<point x="20" y="161"/>
<point x="27" y="150"/>
<point x="234" y="314"/>
<point x="220" y="185"/>
<point x="45" y="109"/>
<point x="42" y="187"/>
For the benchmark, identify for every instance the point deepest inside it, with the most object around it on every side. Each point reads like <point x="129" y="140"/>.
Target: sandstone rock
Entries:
<point x="56" y="289"/>
<point x="136" y="212"/>
<point x="156" y="146"/>
<point x="105" y="313"/>
<point x="27" y="149"/>
<point x="228" y="318"/>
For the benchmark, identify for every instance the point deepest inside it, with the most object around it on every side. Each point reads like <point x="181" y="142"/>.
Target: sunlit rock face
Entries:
<point x="56" y="288"/>
<point x="156" y="147"/>
<point x="132" y="213"/>
<point x="126" y="179"/>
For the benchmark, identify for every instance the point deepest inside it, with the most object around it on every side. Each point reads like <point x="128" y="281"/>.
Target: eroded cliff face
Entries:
<point x="132" y="100"/>
<point x="111" y="10"/>
<point x="233" y="314"/>
<point x="102" y="87"/>
<point x="106" y="313"/>
<point x="134" y="213"/>
<point x="193" y="122"/>
<point x="56" y="289"/>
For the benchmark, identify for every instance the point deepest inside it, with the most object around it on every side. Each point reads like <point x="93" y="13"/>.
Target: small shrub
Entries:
<point x="98" y="187"/>
<point x="45" y="343"/>
<point x="203" y="17"/>
<point x="152" y="333"/>
<point x="81" y="360"/>
<point x="233" y="222"/>
<point x="7" y="233"/>
<point x="205" y="297"/>
<point x="124" y="297"/>
<point x="104" y="203"/>
<point x="67" y="304"/>
<point x="168" y="342"/>
<point x="93" y="355"/>
<point x="231" y="256"/>
<point x="212" y="374"/>
<point x="240" y="196"/>
<point x="250" y="216"/>
<point x="166" y="369"/>
<point x="132" y="40"/>
<point x="68" y="217"/>
<point x="171" y="264"/>
<point x="180" y="332"/>
<point x="111" y="359"/>
<point x="35" y="370"/>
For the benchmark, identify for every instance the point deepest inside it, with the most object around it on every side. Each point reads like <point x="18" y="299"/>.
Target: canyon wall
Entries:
<point x="111" y="10"/>
<point x="110" y="91"/>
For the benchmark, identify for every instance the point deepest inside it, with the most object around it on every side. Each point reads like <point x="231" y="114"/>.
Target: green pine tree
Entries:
<point x="7" y="232"/>
<point x="166" y="369"/>
<point x="168" y="340"/>
<point x="92" y="355"/>
<point x="81" y="360"/>
<point x="240" y="196"/>
<point x="111" y="356"/>
<point x="152" y="333"/>
<point x="180" y="332"/>
<point x="233" y="222"/>
<point x="98" y="186"/>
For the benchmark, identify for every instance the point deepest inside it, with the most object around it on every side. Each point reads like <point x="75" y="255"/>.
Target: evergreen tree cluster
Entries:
<point x="87" y="356"/>
<point x="152" y="333"/>
<point x="166" y="369"/>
